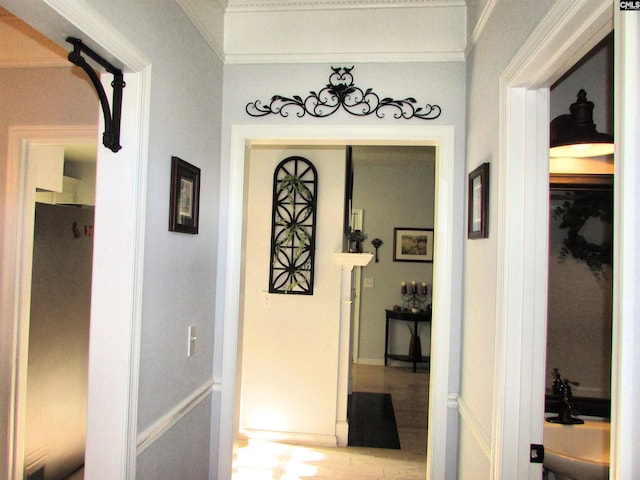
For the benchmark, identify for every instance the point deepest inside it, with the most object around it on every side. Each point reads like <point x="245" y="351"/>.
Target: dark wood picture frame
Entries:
<point x="184" y="203"/>
<point x="413" y="244"/>
<point x="478" y="211"/>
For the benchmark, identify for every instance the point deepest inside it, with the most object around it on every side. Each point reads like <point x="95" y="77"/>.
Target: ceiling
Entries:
<point x="320" y="31"/>
<point x="324" y="31"/>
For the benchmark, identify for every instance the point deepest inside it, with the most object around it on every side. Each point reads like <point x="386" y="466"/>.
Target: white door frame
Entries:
<point x="119" y="233"/>
<point x="625" y="400"/>
<point x="570" y="29"/>
<point x="442" y="441"/>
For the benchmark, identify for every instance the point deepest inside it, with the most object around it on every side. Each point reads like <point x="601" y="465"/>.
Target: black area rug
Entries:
<point x="372" y="422"/>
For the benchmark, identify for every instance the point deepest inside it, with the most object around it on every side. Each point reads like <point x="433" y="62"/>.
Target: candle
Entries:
<point x="403" y="287"/>
<point x="424" y="288"/>
<point x="413" y="287"/>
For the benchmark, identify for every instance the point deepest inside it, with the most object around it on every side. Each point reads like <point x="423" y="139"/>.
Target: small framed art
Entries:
<point x="478" y="215"/>
<point x="184" y="204"/>
<point x="413" y="244"/>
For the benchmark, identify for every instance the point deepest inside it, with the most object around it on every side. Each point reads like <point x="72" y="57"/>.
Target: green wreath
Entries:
<point x="573" y="214"/>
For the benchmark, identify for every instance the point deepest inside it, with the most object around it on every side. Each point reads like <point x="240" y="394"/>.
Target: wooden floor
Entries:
<point x="260" y="460"/>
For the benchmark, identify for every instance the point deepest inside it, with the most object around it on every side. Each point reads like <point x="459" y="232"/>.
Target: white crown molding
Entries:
<point x="281" y="5"/>
<point x="335" y="58"/>
<point x="481" y="23"/>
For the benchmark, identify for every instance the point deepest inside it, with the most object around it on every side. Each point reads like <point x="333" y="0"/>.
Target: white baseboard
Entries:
<point x="342" y="433"/>
<point x="290" y="437"/>
<point x="370" y="361"/>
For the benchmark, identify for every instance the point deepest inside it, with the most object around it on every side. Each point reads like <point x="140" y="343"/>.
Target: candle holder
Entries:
<point x="411" y="299"/>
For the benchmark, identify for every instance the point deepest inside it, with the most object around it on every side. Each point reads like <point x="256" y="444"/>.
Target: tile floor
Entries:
<point x="261" y="460"/>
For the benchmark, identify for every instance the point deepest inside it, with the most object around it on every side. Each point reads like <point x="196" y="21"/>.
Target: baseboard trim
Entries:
<point x="370" y="361"/>
<point x="290" y="437"/>
<point x="342" y="433"/>
<point x="148" y="436"/>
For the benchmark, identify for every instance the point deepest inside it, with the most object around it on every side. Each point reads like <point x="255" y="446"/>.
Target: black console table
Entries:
<point x="416" y="318"/>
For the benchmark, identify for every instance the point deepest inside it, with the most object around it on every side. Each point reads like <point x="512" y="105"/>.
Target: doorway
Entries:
<point x="394" y="186"/>
<point x="56" y="380"/>
<point x="55" y="413"/>
<point x="580" y="276"/>
<point x="523" y="224"/>
<point x="26" y="159"/>
<point x="442" y="434"/>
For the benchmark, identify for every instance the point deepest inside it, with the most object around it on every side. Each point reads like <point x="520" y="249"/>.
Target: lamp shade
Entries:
<point x="575" y="135"/>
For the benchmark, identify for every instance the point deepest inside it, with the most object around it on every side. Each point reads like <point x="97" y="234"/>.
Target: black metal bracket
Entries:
<point x="111" y="135"/>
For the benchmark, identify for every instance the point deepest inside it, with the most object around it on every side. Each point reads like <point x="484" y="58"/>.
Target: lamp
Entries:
<point x="575" y="135"/>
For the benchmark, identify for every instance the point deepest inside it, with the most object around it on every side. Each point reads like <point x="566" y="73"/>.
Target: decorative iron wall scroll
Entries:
<point x="295" y="183"/>
<point x="342" y="92"/>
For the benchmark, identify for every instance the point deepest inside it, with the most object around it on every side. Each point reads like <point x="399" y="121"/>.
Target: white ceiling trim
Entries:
<point x="482" y="21"/>
<point x="280" y="5"/>
<point x="335" y="58"/>
<point x="398" y="35"/>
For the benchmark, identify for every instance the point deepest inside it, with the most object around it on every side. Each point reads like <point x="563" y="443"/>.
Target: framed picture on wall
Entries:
<point x="412" y="244"/>
<point x="184" y="203"/>
<point x="478" y="214"/>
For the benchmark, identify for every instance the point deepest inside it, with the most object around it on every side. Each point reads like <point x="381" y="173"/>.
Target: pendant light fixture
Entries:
<point x="575" y="135"/>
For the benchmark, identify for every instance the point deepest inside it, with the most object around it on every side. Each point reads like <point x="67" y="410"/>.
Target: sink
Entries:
<point x="579" y="452"/>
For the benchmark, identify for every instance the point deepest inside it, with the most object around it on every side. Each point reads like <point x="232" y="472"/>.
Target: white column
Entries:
<point x="347" y="261"/>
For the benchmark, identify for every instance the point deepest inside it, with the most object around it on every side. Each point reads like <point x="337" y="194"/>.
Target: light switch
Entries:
<point x="369" y="282"/>
<point x="191" y="345"/>
<point x="267" y="299"/>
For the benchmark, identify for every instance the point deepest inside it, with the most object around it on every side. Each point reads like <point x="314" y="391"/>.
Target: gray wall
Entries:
<point x="397" y="193"/>
<point x="58" y="340"/>
<point x="185" y="95"/>
<point x="506" y="30"/>
<point x="179" y="269"/>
